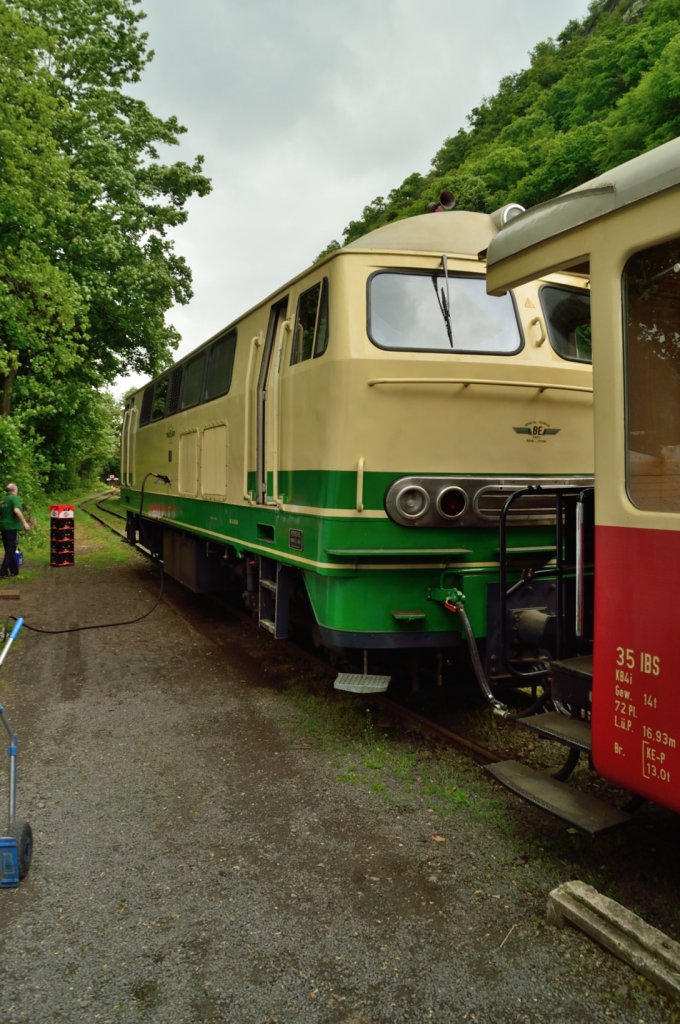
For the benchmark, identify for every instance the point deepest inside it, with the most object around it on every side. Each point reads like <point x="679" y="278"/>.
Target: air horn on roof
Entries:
<point x="447" y="201"/>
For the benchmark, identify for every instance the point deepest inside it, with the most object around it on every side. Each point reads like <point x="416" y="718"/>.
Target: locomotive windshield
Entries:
<point x="404" y="313"/>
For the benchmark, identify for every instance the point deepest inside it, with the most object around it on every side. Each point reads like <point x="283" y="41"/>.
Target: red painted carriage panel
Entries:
<point x="636" y="678"/>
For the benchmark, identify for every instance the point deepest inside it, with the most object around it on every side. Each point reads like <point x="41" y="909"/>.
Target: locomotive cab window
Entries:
<point x="567" y="316"/>
<point x="160" y="397"/>
<point x="433" y="313"/>
<point x="651" y="307"/>
<point x="310" y="335"/>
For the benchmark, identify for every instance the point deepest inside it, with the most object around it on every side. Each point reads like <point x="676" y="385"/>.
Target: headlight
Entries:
<point x="412" y="502"/>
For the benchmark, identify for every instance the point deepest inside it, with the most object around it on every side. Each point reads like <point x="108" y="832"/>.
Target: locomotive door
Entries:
<point x="268" y="386"/>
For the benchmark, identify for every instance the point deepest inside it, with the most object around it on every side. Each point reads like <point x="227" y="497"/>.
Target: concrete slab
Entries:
<point x="622" y="932"/>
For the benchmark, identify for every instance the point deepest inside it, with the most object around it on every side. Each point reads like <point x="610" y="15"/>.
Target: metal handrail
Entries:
<point x="556" y="570"/>
<point x="467" y="381"/>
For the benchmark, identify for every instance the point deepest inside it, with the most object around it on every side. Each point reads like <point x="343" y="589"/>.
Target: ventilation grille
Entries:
<point x="530" y="508"/>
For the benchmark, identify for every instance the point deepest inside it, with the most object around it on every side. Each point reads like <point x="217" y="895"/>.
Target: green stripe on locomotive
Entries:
<point x="366" y="578"/>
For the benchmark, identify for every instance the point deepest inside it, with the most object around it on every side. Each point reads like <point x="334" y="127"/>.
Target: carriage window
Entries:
<point x="567" y="315"/>
<point x="160" y="395"/>
<point x="310" y="335"/>
<point x="194" y="373"/>
<point x="220" y="366"/>
<point x="651" y="292"/>
<point x="405" y="311"/>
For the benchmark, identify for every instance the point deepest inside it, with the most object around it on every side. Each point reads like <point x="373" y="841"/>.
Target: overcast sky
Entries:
<point x="305" y="111"/>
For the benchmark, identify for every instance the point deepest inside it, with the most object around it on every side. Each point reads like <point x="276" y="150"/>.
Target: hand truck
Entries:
<point x="16" y="848"/>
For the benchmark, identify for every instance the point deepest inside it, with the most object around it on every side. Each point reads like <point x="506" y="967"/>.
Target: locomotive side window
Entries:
<point x="651" y="295"/>
<point x="194" y="375"/>
<point x="220" y="366"/>
<point x="175" y="389"/>
<point x="406" y="311"/>
<point x="567" y="315"/>
<point x="160" y="397"/>
<point x="310" y="335"/>
<point x="147" y="402"/>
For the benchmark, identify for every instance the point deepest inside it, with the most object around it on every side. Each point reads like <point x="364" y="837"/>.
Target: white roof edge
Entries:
<point x="644" y="175"/>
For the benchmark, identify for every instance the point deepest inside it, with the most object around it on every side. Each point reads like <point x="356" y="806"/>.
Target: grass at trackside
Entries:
<point x="403" y="770"/>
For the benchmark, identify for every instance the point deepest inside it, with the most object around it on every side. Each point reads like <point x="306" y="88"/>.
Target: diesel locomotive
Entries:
<point x="343" y="452"/>
<point x="619" y="699"/>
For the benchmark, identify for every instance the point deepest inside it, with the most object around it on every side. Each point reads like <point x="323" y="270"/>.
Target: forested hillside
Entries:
<point x="607" y="89"/>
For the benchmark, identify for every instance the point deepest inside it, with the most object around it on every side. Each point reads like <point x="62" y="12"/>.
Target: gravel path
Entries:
<point x="199" y="858"/>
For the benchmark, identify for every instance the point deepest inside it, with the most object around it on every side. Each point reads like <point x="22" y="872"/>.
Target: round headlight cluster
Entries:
<point x="425" y="501"/>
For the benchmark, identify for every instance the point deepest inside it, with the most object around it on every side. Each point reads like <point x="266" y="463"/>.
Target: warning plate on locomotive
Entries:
<point x="296" y="540"/>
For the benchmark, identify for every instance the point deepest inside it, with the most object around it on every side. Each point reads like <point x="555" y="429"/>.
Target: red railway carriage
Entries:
<point x="623" y="230"/>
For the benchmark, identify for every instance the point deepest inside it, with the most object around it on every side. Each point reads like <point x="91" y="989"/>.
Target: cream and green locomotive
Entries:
<point x="346" y="447"/>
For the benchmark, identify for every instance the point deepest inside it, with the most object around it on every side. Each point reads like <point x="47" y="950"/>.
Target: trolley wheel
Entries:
<point x="21" y="831"/>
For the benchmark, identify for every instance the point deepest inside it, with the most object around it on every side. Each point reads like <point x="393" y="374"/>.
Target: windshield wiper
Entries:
<point x="444" y="299"/>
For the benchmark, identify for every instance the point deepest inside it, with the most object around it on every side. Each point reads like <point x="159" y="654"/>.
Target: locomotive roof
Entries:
<point x="456" y="231"/>
<point x="628" y="183"/>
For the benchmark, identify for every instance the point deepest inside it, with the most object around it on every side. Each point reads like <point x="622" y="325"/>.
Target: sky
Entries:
<point x="307" y="110"/>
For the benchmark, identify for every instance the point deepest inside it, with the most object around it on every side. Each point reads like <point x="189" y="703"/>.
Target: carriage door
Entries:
<point x="268" y="413"/>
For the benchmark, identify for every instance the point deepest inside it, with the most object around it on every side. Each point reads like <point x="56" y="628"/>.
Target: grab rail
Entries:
<point x="467" y="381"/>
<point x="255" y="343"/>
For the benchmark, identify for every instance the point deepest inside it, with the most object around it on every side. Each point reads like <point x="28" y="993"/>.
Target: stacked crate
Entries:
<point x="62" y="523"/>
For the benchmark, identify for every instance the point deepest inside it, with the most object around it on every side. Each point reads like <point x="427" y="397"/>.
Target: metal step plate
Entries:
<point x="574" y="732"/>
<point x="579" y="809"/>
<point x="357" y="683"/>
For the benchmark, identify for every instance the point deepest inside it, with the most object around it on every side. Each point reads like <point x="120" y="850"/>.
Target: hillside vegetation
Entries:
<point x="606" y="90"/>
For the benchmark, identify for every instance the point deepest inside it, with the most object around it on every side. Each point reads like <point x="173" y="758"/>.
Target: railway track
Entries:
<point x="106" y="516"/>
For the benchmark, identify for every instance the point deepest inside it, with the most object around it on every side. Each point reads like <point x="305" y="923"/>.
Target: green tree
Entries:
<point x="124" y="199"/>
<point x="42" y="310"/>
<point x="87" y="270"/>
<point x="84" y="454"/>
<point x="649" y="114"/>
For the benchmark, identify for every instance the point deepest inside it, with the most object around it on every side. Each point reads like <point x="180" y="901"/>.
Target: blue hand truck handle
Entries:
<point x="10" y="639"/>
